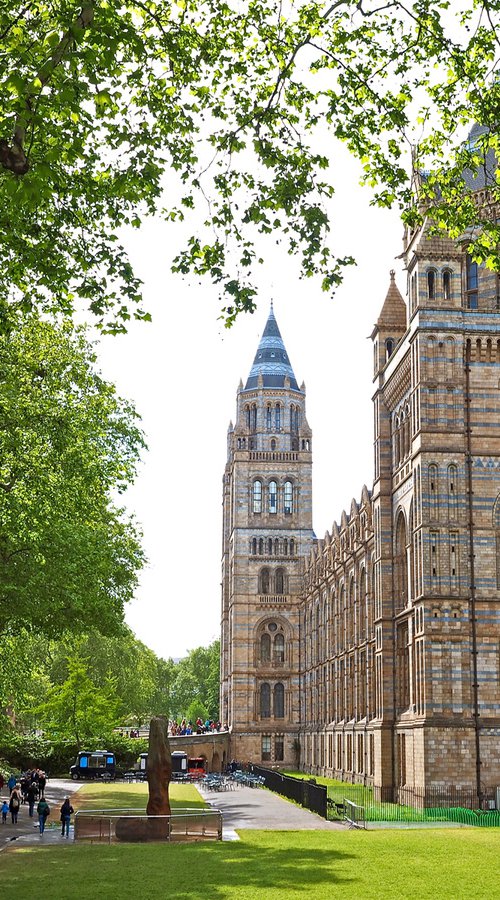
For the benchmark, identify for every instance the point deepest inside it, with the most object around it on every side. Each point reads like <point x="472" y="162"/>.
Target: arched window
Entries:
<point x="276" y="547"/>
<point x="389" y="348"/>
<point x="254" y="418"/>
<point x="269" y="418"/>
<point x="452" y="490"/>
<point x="288" y="498"/>
<point x="292" y="417"/>
<point x="273" y="497"/>
<point x="248" y="416"/>
<point x="279" y="701"/>
<point x="400" y="563"/>
<point x="257" y="496"/>
<point x="254" y="546"/>
<point x="447" y="285"/>
<point x="269" y="546"/>
<point x="279" y="648"/>
<point x="265" y="647"/>
<point x="431" y="284"/>
<point x="471" y="282"/>
<point x="285" y="547"/>
<point x="273" y="444"/>
<point x="264" y="581"/>
<point x="433" y="490"/>
<point x="297" y="418"/>
<point x="265" y="701"/>
<point x="277" y="417"/>
<point x="279" y="581"/>
<point x="261" y="546"/>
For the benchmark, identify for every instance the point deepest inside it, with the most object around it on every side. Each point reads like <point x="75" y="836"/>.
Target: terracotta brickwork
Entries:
<point x="385" y="634"/>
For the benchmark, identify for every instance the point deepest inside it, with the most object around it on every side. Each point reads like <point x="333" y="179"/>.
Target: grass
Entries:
<point x="265" y="865"/>
<point x="99" y="795"/>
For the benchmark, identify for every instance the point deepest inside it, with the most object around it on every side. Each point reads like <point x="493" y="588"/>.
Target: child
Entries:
<point x="5" y="809"/>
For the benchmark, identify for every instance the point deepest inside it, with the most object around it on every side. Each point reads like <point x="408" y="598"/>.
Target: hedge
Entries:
<point x="22" y="752"/>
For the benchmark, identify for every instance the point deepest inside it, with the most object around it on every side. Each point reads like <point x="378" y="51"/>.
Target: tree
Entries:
<point x="68" y="556"/>
<point x="79" y="709"/>
<point x="106" y="103"/>
<point x="197" y="681"/>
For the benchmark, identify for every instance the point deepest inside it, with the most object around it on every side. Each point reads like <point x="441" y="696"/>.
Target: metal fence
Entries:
<point x="306" y="792"/>
<point x="133" y="826"/>
<point x="413" y="805"/>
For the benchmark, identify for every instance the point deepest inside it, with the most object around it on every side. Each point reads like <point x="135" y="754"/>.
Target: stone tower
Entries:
<point x="267" y="533"/>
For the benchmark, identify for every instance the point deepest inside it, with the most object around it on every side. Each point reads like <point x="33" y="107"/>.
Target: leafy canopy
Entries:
<point x="114" y="109"/>
<point x="68" y="556"/>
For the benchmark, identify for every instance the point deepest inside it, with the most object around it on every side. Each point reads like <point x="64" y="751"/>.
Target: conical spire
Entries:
<point x="393" y="314"/>
<point x="271" y="360"/>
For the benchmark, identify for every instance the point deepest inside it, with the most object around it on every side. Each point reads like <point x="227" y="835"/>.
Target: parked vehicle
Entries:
<point x="95" y="764"/>
<point x="182" y="766"/>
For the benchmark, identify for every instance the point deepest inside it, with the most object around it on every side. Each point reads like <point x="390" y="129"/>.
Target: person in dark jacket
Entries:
<point x="14" y="804"/>
<point x="31" y="795"/>
<point x="42" y="781"/>
<point x="43" y="811"/>
<point x="66" y="811"/>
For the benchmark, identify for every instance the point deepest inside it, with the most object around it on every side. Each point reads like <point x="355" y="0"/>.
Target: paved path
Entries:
<point x="26" y="830"/>
<point x="258" y="808"/>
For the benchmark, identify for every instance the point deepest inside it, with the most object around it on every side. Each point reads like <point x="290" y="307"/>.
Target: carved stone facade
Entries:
<point x="385" y="635"/>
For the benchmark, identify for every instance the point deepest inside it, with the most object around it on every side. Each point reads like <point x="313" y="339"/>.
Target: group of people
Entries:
<point x="200" y="727"/>
<point x="28" y="790"/>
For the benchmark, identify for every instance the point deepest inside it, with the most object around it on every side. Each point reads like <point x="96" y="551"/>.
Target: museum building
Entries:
<point x="373" y="654"/>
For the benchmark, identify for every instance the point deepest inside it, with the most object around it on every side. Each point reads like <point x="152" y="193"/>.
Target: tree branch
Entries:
<point x="13" y="157"/>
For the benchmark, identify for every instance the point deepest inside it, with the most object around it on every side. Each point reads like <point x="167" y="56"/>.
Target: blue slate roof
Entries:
<point x="271" y="360"/>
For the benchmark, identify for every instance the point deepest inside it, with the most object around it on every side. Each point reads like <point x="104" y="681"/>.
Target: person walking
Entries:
<point x="66" y="811"/>
<point x="12" y="783"/>
<point x="31" y="795"/>
<point x="43" y="810"/>
<point x="14" y="804"/>
<point x="5" y="809"/>
<point x="42" y="781"/>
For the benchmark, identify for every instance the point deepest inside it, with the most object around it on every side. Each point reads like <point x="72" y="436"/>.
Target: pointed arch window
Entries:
<point x="257" y="496"/>
<point x="269" y="546"/>
<point x="297" y="418"/>
<point x="288" y="498"/>
<point x="269" y="418"/>
<point x="261" y="546"/>
<point x="285" y="547"/>
<point x="277" y="417"/>
<point x="292" y="547"/>
<point x="265" y="701"/>
<point x="254" y="546"/>
<point x="248" y="417"/>
<point x="279" y="701"/>
<point x="264" y="579"/>
<point x="276" y="547"/>
<point x="273" y="497"/>
<point x="292" y="419"/>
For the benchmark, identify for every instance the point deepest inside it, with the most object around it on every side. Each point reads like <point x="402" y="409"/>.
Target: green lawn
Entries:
<point x="443" y="865"/>
<point x="99" y="795"/>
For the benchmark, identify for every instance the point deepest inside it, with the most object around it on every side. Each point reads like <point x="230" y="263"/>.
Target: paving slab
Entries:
<point x="26" y="831"/>
<point x="258" y="808"/>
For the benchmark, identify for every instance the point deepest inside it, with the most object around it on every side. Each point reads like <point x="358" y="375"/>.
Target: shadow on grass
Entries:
<point x="279" y="863"/>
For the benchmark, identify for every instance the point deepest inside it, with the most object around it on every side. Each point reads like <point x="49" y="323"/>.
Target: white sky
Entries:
<point x="182" y="373"/>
